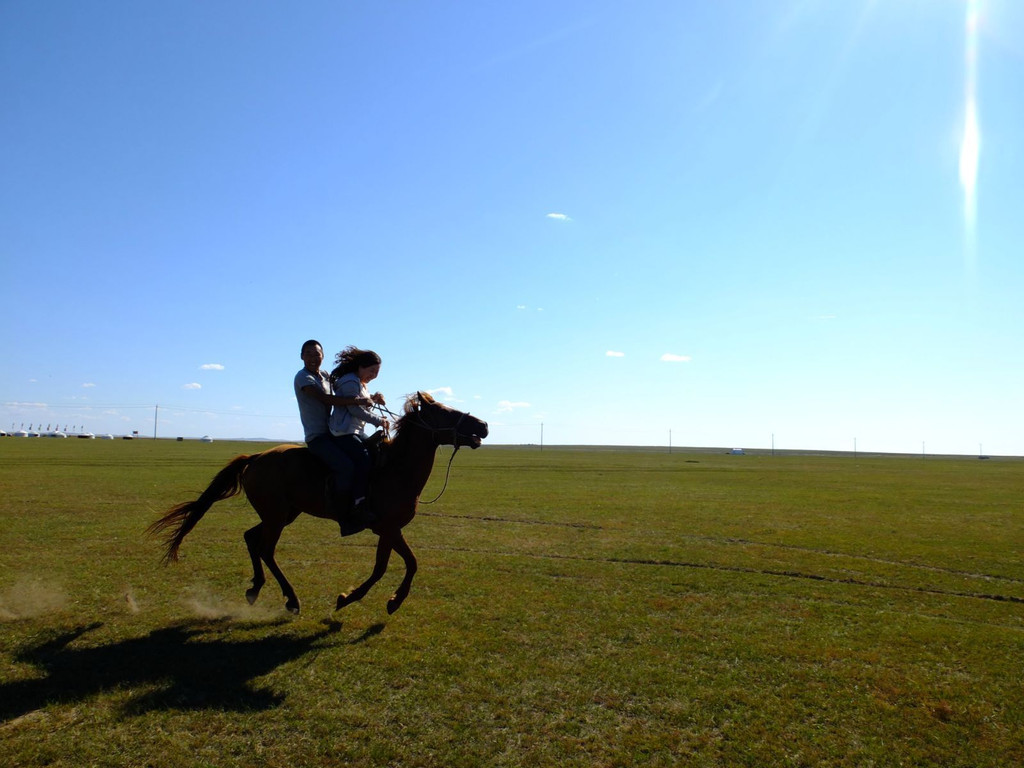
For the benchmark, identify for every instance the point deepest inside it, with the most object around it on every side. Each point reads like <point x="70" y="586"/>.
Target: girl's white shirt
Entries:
<point x="351" y="419"/>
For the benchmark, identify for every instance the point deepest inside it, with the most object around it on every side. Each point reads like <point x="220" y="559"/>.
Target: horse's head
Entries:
<point x="447" y="425"/>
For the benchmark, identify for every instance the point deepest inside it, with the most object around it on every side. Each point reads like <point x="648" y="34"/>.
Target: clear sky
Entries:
<point x="719" y="223"/>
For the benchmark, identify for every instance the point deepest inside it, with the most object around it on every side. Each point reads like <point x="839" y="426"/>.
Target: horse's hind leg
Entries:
<point x="262" y="541"/>
<point x="252" y="542"/>
<point x="269" y="545"/>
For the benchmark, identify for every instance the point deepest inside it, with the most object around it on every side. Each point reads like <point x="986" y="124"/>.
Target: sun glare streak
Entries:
<point x="969" y="149"/>
<point x="970" y="144"/>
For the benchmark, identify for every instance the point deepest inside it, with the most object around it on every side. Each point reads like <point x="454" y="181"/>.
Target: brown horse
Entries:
<point x="285" y="481"/>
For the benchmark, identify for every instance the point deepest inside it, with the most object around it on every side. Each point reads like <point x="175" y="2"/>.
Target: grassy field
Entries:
<point x="572" y="608"/>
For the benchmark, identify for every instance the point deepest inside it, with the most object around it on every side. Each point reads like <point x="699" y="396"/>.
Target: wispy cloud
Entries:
<point x="668" y="357"/>
<point x="193" y="385"/>
<point x="506" y="406"/>
<point x="443" y="393"/>
<point x="211" y="367"/>
<point x="88" y="385"/>
<point x="613" y="353"/>
<point x="558" y="217"/>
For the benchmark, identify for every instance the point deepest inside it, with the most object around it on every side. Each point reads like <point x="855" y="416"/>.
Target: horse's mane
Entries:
<point x="413" y="405"/>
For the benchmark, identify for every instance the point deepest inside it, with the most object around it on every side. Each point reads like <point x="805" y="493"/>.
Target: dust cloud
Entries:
<point x="130" y="601"/>
<point x="204" y="604"/>
<point x="29" y="597"/>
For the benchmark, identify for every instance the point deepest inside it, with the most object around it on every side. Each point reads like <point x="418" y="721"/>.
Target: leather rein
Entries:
<point x="434" y="431"/>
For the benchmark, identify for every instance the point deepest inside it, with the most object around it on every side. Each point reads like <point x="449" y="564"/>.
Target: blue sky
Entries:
<point x="726" y="222"/>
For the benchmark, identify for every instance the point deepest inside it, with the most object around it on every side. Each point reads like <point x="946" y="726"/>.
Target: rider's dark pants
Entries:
<point x="357" y="452"/>
<point x="330" y="450"/>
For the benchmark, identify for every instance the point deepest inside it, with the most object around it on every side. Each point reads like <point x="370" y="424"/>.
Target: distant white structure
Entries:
<point x="737" y="452"/>
<point x="106" y="437"/>
<point x="205" y="439"/>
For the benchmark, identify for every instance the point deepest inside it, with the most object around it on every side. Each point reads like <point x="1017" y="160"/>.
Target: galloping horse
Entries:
<point x="285" y="481"/>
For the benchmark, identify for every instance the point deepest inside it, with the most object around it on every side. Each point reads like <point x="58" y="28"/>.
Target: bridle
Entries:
<point x="434" y="431"/>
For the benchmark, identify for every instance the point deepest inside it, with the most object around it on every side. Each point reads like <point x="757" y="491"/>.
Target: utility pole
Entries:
<point x="542" y="435"/>
<point x="156" y="413"/>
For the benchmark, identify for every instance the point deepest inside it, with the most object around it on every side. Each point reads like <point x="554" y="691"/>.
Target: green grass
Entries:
<point x="572" y="608"/>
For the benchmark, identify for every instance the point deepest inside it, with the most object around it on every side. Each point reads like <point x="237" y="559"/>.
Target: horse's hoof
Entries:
<point x="393" y="605"/>
<point x="343" y="600"/>
<point x="251" y="595"/>
<point x="293" y="607"/>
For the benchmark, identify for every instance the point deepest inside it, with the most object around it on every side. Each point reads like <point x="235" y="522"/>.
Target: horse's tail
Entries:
<point x="176" y="524"/>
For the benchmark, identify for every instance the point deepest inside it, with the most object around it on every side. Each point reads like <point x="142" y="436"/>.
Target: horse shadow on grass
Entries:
<point x="189" y="666"/>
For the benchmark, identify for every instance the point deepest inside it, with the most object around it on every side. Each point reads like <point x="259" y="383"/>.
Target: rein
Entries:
<point x="422" y="424"/>
<point x="447" y="473"/>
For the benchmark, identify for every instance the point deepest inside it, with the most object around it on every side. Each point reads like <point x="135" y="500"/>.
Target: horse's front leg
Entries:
<point x="384" y="546"/>
<point x="401" y="546"/>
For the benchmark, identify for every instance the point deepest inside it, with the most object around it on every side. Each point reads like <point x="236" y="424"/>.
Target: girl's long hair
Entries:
<point x="351" y="359"/>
